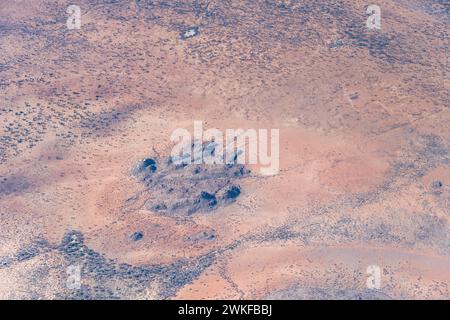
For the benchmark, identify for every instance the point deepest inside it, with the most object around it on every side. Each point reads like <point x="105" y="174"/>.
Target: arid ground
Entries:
<point x="364" y="122"/>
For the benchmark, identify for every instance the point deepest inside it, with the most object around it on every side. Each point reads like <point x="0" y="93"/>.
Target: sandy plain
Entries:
<point x="364" y="149"/>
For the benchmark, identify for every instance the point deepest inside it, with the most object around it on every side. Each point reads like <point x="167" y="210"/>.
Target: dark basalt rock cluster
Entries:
<point x="145" y="166"/>
<point x="185" y="189"/>
<point x="138" y="235"/>
<point x="437" y="184"/>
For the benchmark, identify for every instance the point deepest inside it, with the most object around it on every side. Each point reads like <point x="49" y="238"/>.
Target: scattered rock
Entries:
<point x="233" y="192"/>
<point x="201" y="236"/>
<point x="145" y="166"/>
<point x="210" y="198"/>
<point x="149" y="163"/>
<point x="138" y="235"/>
<point x="354" y="96"/>
<point x="437" y="184"/>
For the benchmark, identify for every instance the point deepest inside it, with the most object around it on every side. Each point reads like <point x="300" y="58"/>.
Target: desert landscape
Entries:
<point x="91" y="206"/>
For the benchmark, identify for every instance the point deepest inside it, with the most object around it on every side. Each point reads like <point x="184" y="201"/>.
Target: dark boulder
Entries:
<point x="150" y="164"/>
<point x="209" y="198"/>
<point x="233" y="192"/>
<point x="437" y="184"/>
<point x="138" y="235"/>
